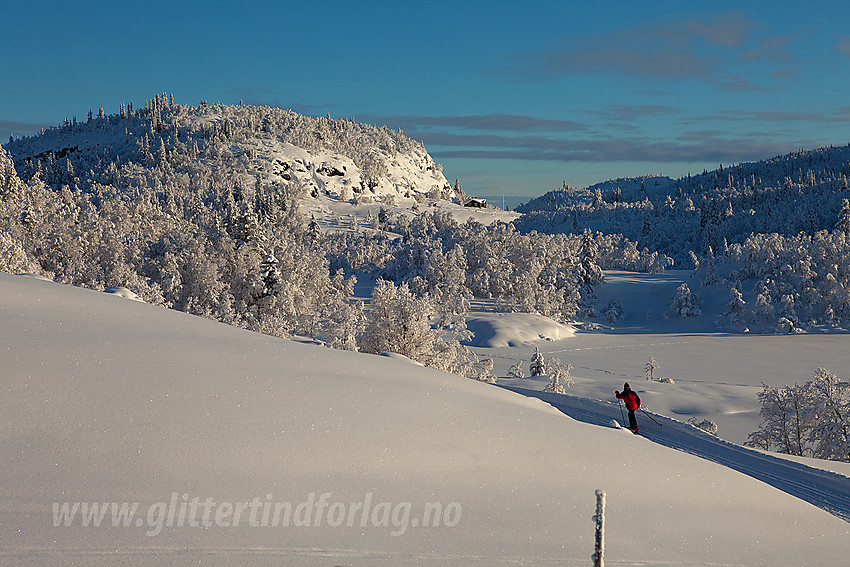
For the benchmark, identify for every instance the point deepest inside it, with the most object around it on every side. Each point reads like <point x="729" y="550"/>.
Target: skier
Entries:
<point x="632" y="401"/>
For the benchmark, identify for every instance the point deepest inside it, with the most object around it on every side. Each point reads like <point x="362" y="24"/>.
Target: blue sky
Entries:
<point x="511" y="97"/>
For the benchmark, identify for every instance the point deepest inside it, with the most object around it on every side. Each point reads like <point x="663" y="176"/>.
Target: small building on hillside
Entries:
<point x="476" y="202"/>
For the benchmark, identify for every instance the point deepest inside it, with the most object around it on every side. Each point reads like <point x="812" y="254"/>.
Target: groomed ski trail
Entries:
<point x="824" y="489"/>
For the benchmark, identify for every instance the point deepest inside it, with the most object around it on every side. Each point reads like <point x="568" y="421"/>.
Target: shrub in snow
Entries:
<point x="515" y="371"/>
<point x="398" y="322"/>
<point x="649" y="368"/>
<point x="785" y="325"/>
<point x="666" y="380"/>
<point x="537" y="366"/>
<point x="342" y="325"/>
<point x="484" y="371"/>
<point x="13" y="257"/>
<point x="706" y="425"/>
<point x="559" y="376"/>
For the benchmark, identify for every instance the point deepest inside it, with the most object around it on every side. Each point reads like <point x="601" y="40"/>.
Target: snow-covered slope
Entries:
<point x="110" y="400"/>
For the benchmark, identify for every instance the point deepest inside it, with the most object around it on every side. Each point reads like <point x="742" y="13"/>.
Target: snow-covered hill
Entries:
<point x="334" y="157"/>
<point x="109" y="400"/>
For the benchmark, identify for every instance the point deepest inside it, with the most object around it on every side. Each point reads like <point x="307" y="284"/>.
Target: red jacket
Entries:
<point x="630" y="398"/>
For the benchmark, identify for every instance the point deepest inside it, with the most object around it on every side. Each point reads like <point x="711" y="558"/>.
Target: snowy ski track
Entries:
<point x="824" y="489"/>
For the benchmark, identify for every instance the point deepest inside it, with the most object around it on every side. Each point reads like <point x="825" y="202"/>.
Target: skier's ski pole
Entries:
<point x="650" y="417"/>
<point x="622" y="415"/>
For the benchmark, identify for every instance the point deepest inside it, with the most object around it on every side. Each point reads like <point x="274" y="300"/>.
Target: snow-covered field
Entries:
<point x="212" y="430"/>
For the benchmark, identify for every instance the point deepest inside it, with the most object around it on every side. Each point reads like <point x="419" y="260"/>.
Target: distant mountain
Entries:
<point x="786" y="195"/>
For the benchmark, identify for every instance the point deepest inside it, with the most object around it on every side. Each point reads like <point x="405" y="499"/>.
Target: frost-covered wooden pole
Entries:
<point x="599" y="518"/>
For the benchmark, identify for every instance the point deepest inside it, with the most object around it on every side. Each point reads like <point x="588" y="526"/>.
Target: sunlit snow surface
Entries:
<point x="109" y="400"/>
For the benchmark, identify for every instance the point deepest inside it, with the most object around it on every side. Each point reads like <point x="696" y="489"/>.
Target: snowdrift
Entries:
<point x="494" y="330"/>
<point x="108" y="400"/>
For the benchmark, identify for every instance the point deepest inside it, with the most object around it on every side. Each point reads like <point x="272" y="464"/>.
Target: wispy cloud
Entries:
<point x="267" y="96"/>
<point x="631" y="112"/>
<point x="738" y="82"/>
<point x="774" y="116"/>
<point x="698" y="146"/>
<point x="770" y="49"/>
<point x="516" y="137"/>
<point x="843" y="45"/>
<point x="487" y="122"/>
<point x="674" y="50"/>
<point x="632" y="149"/>
<point x="700" y="135"/>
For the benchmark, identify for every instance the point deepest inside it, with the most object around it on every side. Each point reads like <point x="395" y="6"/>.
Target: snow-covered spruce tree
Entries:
<point x="9" y="181"/>
<point x="245" y="229"/>
<point x="736" y="308"/>
<point x="559" y="376"/>
<point x="685" y="303"/>
<point x="591" y="273"/>
<point x="537" y="367"/>
<point x="843" y="224"/>
<point x="613" y="311"/>
<point x="269" y="274"/>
